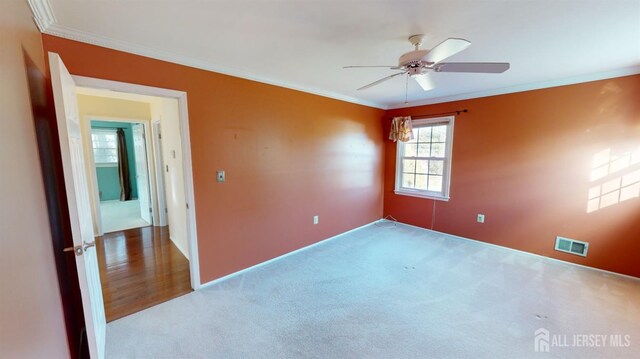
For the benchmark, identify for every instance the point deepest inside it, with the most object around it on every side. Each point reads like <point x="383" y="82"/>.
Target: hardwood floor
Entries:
<point x="140" y="268"/>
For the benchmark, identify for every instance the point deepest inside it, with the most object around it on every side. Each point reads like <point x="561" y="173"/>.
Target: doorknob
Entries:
<point x="79" y="249"/>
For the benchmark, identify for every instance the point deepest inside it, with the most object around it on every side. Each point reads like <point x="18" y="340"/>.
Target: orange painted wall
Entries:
<point x="288" y="156"/>
<point x="525" y="161"/>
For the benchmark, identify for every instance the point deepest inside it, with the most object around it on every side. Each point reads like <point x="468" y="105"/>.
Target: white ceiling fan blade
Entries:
<point x="425" y="81"/>
<point x="360" y="67"/>
<point x="447" y="48"/>
<point x="381" y="80"/>
<point x="478" y="67"/>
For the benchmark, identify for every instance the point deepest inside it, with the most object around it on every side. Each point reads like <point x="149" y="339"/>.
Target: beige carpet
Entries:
<point x="121" y="215"/>
<point x="393" y="292"/>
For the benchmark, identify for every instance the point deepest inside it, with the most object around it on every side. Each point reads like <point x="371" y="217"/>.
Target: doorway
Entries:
<point x="73" y="146"/>
<point x="120" y="174"/>
<point x="132" y="175"/>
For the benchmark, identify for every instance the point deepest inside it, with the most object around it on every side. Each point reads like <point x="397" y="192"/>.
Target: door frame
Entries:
<point x="159" y="172"/>
<point x="91" y="165"/>
<point x="187" y="168"/>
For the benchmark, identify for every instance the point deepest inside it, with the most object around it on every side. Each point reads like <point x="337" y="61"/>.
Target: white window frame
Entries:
<point x="446" y="175"/>
<point x="104" y="130"/>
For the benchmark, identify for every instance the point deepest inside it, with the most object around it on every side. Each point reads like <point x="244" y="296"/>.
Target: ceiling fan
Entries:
<point x="418" y="63"/>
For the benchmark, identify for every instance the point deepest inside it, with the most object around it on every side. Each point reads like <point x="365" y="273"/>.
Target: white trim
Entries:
<point x="159" y="174"/>
<point x="95" y="83"/>
<point x="125" y="46"/>
<point x="111" y="131"/>
<point x="242" y="271"/>
<point x="628" y="71"/>
<point x="524" y="252"/>
<point x="192" y="232"/>
<point x="42" y="14"/>
<point x="45" y="20"/>
<point x="47" y="24"/>
<point x="105" y="164"/>
<point x="115" y="119"/>
<point x="421" y="194"/>
<point x="181" y="96"/>
<point x="446" y="171"/>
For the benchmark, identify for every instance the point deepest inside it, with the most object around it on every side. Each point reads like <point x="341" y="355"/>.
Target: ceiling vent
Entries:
<point x="571" y="246"/>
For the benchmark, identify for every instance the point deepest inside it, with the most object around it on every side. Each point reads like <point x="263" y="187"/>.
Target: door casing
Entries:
<point x="187" y="168"/>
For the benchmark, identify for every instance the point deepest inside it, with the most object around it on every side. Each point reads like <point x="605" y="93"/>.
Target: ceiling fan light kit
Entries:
<point x="418" y="63"/>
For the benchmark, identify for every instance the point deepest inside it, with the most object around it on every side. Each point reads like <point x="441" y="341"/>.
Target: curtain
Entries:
<point x="401" y="129"/>
<point x="123" y="167"/>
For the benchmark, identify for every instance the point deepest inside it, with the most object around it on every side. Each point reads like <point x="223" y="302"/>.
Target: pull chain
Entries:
<point x="406" y="90"/>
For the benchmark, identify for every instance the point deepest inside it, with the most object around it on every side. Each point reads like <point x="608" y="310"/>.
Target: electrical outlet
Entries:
<point x="316" y="219"/>
<point x="480" y="218"/>
<point x="220" y="176"/>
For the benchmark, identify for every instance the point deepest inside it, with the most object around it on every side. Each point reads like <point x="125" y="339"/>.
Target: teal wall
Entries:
<point x="108" y="179"/>
<point x="108" y="183"/>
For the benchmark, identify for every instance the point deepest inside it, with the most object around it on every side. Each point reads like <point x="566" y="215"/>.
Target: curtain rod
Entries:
<point x="457" y="112"/>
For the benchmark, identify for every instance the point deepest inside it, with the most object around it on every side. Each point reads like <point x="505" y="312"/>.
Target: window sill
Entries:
<point x="106" y="165"/>
<point x="421" y="195"/>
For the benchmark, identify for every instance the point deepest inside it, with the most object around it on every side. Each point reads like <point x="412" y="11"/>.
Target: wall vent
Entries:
<point x="571" y="246"/>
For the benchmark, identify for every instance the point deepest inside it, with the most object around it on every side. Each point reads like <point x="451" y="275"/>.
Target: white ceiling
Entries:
<point x="304" y="44"/>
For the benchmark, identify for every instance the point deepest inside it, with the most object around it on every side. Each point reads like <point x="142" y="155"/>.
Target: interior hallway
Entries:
<point x="140" y="268"/>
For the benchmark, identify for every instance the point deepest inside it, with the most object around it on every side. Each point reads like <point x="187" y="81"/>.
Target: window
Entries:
<point x="423" y="165"/>
<point x="105" y="147"/>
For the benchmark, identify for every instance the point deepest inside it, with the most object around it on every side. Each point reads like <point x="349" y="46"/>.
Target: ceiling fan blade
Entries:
<point x="381" y="80"/>
<point x="425" y="81"/>
<point x="478" y="67"/>
<point x="360" y="67"/>
<point x="447" y="48"/>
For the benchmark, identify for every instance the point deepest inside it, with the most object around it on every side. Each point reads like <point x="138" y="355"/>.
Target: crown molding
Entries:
<point x="634" y="70"/>
<point x="46" y="22"/>
<point x="42" y="14"/>
<point x="72" y="34"/>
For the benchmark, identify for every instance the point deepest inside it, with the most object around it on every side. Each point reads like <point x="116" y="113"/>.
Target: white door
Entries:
<point x="77" y="188"/>
<point x="142" y="171"/>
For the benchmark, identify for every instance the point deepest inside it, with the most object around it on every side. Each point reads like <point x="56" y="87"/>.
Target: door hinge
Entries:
<point x="167" y="166"/>
<point x="187" y="205"/>
<point x="160" y="136"/>
<point x="166" y="210"/>
<point x="150" y="210"/>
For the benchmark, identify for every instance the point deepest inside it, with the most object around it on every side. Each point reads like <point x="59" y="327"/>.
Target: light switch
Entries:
<point x="220" y="176"/>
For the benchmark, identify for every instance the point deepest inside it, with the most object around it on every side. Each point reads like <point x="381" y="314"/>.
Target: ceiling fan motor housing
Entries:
<point x="412" y="59"/>
<point x="415" y="71"/>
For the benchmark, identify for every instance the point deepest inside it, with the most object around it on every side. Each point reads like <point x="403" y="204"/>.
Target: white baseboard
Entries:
<point x="229" y="276"/>
<point x="524" y="252"/>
